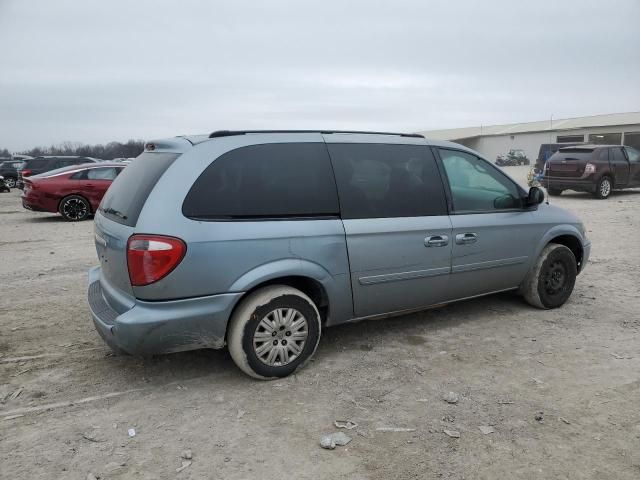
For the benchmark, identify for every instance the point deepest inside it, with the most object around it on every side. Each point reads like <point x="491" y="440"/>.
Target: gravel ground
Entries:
<point x="560" y="388"/>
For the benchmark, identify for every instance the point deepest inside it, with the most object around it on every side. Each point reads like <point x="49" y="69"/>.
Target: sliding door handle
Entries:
<point x="436" y="241"/>
<point x="466" y="238"/>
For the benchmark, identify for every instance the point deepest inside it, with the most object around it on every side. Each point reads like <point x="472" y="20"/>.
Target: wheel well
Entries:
<point x="573" y="244"/>
<point x="310" y="287"/>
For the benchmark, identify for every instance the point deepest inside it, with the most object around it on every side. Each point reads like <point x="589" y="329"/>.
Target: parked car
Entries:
<point x="37" y="165"/>
<point x="598" y="169"/>
<point x="514" y="157"/>
<point x="9" y="170"/>
<point x="259" y="240"/>
<point x="3" y="185"/>
<point x="75" y="192"/>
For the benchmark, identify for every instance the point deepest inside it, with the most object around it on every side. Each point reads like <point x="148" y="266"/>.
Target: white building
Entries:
<point x="494" y="140"/>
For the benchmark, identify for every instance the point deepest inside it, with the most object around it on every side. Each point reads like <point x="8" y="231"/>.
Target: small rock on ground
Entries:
<point x="330" y="441"/>
<point x="451" y="397"/>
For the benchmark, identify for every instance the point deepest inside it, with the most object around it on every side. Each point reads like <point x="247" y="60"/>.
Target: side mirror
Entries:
<point x="535" y="197"/>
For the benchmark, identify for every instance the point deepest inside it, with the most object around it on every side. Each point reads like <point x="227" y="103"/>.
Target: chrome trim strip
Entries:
<point x="470" y="267"/>
<point x="394" y="277"/>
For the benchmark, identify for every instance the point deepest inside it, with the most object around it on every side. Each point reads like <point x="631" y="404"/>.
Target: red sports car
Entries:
<point x="74" y="192"/>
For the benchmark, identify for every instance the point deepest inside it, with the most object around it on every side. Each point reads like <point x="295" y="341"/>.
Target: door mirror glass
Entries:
<point x="535" y="197"/>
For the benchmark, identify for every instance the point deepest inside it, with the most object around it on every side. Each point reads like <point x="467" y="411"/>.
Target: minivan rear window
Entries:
<point x="125" y="198"/>
<point x="36" y="163"/>
<point x="268" y="181"/>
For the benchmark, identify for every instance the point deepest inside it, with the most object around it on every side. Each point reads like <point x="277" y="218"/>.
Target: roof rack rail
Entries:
<point x="230" y="133"/>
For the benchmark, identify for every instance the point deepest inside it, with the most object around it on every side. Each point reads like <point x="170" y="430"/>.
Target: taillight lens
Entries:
<point x="152" y="257"/>
<point x="590" y="168"/>
<point x="26" y="172"/>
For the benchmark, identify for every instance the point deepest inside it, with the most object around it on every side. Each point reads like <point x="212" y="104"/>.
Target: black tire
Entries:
<point x="246" y="327"/>
<point x="10" y="182"/>
<point x="551" y="280"/>
<point x="554" y="192"/>
<point x="604" y="187"/>
<point x="74" y="208"/>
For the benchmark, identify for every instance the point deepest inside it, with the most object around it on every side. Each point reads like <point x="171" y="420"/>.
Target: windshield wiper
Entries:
<point x="115" y="212"/>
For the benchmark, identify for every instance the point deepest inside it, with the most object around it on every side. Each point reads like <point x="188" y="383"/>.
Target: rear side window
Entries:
<point x="125" y="198"/>
<point x="276" y="180"/>
<point x="618" y="156"/>
<point x="107" y="173"/>
<point x="36" y="163"/>
<point x="383" y="181"/>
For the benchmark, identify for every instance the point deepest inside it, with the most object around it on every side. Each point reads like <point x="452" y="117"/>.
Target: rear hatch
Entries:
<point x="119" y="211"/>
<point x="569" y="162"/>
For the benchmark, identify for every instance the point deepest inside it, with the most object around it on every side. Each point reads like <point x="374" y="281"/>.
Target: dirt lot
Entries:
<point x="67" y="403"/>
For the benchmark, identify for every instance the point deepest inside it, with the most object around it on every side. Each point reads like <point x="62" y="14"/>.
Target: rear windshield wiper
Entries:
<point x="115" y="212"/>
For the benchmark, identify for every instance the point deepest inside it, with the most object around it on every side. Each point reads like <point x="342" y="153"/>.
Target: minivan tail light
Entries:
<point x="26" y="172"/>
<point x="152" y="257"/>
<point x="590" y="168"/>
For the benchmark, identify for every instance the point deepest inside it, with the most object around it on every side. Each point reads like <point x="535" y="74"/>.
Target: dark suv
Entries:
<point x="597" y="169"/>
<point x="37" y="165"/>
<point x="9" y="170"/>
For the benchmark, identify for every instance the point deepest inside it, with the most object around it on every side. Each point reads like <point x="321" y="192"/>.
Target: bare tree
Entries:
<point x="111" y="150"/>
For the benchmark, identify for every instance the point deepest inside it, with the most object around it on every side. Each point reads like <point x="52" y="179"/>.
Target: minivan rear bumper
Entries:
<point x="162" y="326"/>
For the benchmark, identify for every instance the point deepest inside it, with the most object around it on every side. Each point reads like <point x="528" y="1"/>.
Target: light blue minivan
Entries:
<point x="259" y="239"/>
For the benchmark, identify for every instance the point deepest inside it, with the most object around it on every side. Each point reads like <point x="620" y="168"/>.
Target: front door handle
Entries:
<point x="466" y="238"/>
<point x="436" y="241"/>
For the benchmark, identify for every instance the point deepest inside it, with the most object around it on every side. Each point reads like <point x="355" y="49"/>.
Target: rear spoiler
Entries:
<point x="168" y="145"/>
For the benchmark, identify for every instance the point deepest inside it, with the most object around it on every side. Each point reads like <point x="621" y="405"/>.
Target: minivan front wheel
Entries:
<point x="274" y="332"/>
<point x="551" y="280"/>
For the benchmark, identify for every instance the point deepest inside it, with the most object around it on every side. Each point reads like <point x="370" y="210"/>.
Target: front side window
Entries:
<point x="383" y="181"/>
<point x="477" y="186"/>
<point x="632" y="154"/>
<point x="274" y="180"/>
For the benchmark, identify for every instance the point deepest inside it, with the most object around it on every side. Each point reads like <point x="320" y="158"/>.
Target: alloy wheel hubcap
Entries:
<point x="280" y="337"/>
<point x="74" y="209"/>
<point x="605" y="188"/>
<point x="10" y="182"/>
<point x="555" y="278"/>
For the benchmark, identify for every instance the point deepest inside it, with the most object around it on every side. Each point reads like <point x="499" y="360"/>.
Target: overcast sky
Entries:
<point x="95" y="71"/>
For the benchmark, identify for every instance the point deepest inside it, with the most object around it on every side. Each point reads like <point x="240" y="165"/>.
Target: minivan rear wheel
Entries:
<point x="274" y="332"/>
<point x="551" y="280"/>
